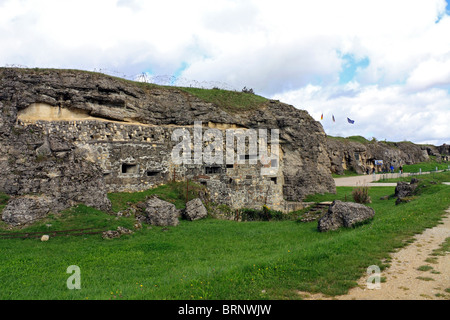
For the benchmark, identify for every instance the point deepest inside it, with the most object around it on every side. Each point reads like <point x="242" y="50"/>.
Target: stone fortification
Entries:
<point x="72" y="136"/>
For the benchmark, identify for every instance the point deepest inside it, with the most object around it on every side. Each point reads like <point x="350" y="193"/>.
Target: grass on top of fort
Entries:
<point x="210" y="258"/>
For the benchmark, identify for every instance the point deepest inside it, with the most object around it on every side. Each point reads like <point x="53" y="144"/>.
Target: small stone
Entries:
<point x="110" y="234"/>
<point x="123" y="230"/>
<point x="45" y="237"/>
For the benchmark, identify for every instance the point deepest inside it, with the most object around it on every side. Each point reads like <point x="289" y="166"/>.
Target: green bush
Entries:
<point x="264" y="214"/>
<point x="361" y="195"/>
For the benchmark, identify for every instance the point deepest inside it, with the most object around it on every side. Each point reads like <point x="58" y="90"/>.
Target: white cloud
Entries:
<point x="391" y="113"/>
<point x="282" y="48"/>
<point x="430" y="73"/>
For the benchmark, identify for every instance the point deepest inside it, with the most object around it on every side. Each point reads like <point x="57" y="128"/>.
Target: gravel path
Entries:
<point x="368" y="180"/>
<point x="403" y="280"/>
<point x="359" y="181"/>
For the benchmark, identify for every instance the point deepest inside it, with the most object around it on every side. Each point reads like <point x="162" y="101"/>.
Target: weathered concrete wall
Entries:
<point x="123" y="131"/>
<point x="137" y="157"/>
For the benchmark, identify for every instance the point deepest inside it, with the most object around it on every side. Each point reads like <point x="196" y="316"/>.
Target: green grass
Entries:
<point x="425" y="268"/>
<point x="211" y="259"/>
<point x="3" y="201"/>
<point x="443" y="249"/>
<point x="426" y="166"/>
<point x="174" y="192"/>
<point x="359" y="139"/>
<point x="347" y="173"/>
<point x="232" y="101"/>
<point x="437" y="177"/>
<point x="425" y="278"/>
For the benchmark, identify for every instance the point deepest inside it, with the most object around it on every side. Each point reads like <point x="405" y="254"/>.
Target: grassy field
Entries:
<point x="432" y="176"/>
<point x="211" y="259"/>
<point x="426" y="166"/>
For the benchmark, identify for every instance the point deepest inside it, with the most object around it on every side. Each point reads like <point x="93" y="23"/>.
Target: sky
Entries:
<point x="384" y="64"/>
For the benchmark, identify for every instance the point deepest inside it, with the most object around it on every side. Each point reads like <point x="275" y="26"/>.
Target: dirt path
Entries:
<point x="403" y="279"/>
<point x="358" y="181"/>
<point x="368" y="180"/>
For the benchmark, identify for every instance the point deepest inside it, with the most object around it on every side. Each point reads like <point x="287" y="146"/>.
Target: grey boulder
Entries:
<point x="344" y="214"/>
<point x="26" y="209"/>
<point x="195" y="210"/>
<point x="161" y="213"/>
<point x="405" y="189"/>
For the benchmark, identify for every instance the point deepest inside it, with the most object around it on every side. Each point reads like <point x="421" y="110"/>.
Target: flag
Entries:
<point x="334" y="119"/>
<point x="321" y="118"/>
<point x="350" y="121"/>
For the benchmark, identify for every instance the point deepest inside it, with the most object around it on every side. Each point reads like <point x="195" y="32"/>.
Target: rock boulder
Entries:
<point x="344" y="214"/>
<point x="405" y="189"/>
<point x="161" y="213"/>
<point x="26" y="209"/>
<point x="195" y="210"/>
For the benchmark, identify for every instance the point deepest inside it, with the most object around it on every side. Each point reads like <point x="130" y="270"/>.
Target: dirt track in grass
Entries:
<point x="403" y="279"/>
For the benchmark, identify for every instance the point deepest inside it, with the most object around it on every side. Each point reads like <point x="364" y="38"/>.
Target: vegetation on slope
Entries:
<point x="228" y="100"/>
<point x="212" y="259"/>
<point x="359" y="139"/>
<point x="232" y="101"/>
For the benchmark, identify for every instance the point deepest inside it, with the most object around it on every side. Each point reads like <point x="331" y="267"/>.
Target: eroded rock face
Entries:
<point x="195" y="210"/>
<point x="26" y="209"/>
<point x="161" y="213"/>
<point x="32" y="163"/>
<point x="77" y="135"/>
<point x="358" y="157"/>
<point x="344" y="214"/>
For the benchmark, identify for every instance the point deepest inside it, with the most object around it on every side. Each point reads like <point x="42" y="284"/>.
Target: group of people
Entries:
<point x="391" y="168"/>
<point x="400" y="169"/>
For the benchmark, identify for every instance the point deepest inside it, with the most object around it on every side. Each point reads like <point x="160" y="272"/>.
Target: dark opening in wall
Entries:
<point x="203" y="183"/>
<point x="212" y="170"/>
<point x="152" y="173"/>
<point x="230" y="166"/>
<point x="129" y="168"/>
<point x="274" y="179"/>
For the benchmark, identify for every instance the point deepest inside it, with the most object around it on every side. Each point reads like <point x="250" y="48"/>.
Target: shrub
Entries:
<point x="361" y="195"/>
<point x="264" y="214"/>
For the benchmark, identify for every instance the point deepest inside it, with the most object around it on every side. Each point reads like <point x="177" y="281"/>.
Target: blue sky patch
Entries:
<point x="350" y="67"/>
<point x="447" y="11"/>
<point x="179" y="71"/>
